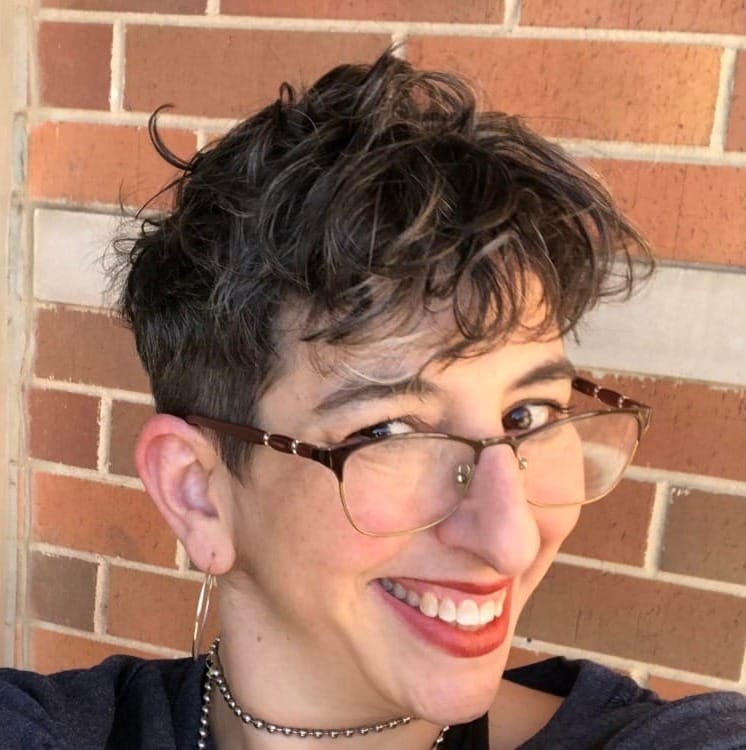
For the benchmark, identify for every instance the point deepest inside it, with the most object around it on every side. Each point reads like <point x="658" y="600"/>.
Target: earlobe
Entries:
<point x="177" y="466"/>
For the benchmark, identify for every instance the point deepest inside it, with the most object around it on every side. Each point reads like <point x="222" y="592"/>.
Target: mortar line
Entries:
<point x="31" y="38"/>
<point x="262" y="23"/>
<point x="121" y="562"/>
<point x="104" y="432"/>
<point x="722" y="103"/>
<point x="634" y="571"/>
<point x="721" y="485"/>
<point x="202" y="138"/>
<point x="42" y="304"/>
<point x="116" y="86"/>
<point x="19" y="352"/>
<point x="512" y="14"/>
<point x="655" y="152"/>
<point x="106" y="638"/>
<point x="581" y="147"/>
<point x="212" y="8"/>
<point x="656" y="528"/>
<point x="623" y="663"/>
<point x="20" y="606"/>
<point x="101" y="597"/>
<point x="639" y="674"/>
<point x="102" y="392"/>
<point x="399" y="41"/>
<point x="90" y="475"/>
<point x="181" y="559"/>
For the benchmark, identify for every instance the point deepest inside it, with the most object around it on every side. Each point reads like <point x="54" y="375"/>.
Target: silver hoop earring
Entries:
<point x="203" y="609"/>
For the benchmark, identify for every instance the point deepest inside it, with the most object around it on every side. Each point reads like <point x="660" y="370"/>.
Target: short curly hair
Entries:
<point x="373" y="197"/>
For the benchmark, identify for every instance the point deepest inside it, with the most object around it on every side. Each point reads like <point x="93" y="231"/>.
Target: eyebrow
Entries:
<point x="556" y="369"/>
<point x="356" y="392"/>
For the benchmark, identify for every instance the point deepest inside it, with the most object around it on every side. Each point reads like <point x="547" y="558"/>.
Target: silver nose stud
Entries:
<point x="463" y="475"/>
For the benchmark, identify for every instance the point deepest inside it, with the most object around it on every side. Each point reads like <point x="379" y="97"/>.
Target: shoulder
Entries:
<point x="601" y="708"/>
<point x="712" y="721"/>
<point x="99" y="707"/>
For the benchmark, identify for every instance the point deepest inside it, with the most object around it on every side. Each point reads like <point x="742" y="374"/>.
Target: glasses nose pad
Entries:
<point x="522" y="462"/>
<point x="464" y="473"/>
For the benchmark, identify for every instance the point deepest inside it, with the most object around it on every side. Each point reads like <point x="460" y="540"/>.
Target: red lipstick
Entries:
<point x="450" y="638"/>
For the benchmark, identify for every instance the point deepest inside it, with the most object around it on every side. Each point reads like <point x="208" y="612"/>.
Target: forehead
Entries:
<point x="313" y="369"/>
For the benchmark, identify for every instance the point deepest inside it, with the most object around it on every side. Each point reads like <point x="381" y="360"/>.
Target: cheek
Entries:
<point x="291" y="523"/>
<point x="554" y="524"/>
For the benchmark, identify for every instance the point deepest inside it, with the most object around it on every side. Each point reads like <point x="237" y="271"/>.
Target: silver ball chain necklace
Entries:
<point x="215" y="676"/>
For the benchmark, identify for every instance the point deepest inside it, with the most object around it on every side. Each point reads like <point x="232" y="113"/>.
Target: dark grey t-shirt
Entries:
<point x="130" y="704"/>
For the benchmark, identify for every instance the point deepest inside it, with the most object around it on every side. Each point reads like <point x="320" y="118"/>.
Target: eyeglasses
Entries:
<point x="401" y="484"/>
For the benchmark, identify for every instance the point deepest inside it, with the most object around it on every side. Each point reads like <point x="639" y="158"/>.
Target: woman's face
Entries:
<point x="349" y="616"/>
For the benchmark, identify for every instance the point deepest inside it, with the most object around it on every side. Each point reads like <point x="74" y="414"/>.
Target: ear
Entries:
<point x="186" y="480"/>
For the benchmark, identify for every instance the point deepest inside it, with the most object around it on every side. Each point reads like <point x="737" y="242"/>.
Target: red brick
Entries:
<point x="61" y="590"/>
<point x="155" y="609"/>
<point x="588" y="89"/>
<point x="53" y="652"/>
<point x="238" y="72"/>
<point x="673" y="690"/>
<point x="63" y="427"/>
<point x="717" y="523"/>
<point x="126" y="422"/>
<point x="639" y="619"/>
<point x="466" y="11"/>
<point x="722" y="16"/>
<point x="86" y="163"/>
<point x="695" y="428"/>
<point x="616" y="527"/>
<point x="736" y="139"/>
<point x="688" y="212"/>
<point x="74" y="64"/>
<point x="131" y="6"/>
<point x="102" y="351"/>
<point x="102" y="518"/>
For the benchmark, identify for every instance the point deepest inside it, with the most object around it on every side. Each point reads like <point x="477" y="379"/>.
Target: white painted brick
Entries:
<point x="686" y="322"/>
<point x="68" y="248"/>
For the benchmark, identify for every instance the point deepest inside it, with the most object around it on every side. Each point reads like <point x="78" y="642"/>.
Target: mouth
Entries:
<point x="468" y="614"/>
<point x="462" y="619"/>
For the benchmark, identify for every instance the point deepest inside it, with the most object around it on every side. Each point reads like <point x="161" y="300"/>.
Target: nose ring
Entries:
<point x="463" y="475"/>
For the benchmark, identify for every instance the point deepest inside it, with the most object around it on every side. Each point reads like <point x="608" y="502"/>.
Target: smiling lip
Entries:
<point x="452" y="639"/>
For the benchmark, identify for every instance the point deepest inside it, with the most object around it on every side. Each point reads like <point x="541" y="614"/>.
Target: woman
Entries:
<point x="369" y="435"/>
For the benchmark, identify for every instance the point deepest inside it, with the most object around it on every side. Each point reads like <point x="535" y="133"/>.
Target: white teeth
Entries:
<point x="467" y="613"/>
<point x="500" y="602"/>
<point x="429" y="604"/>
<point x="487" y="612"/>
<point x="447" y="610"/>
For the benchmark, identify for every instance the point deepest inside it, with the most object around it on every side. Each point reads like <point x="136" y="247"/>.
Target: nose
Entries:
<point x="494" y="520"/>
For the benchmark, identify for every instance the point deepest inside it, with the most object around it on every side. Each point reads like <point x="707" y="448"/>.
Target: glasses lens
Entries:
<point x="579" y="460"/>
<point x="405" y="482"/>
<point x="409" y="481"/>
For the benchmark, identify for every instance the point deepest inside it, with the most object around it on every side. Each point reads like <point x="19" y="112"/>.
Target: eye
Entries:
<point x="385" y="429"/>
<point x="530" y="416"/>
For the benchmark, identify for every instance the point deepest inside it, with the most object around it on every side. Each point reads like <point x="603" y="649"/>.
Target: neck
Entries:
<point x="308" y="695"/>
<point x="229" y="731"/>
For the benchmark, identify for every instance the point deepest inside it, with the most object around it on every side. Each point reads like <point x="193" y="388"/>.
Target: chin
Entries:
<point x="458" y="696"/>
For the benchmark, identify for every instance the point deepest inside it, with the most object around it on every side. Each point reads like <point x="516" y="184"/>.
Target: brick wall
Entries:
<point x="652" y="95"/>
